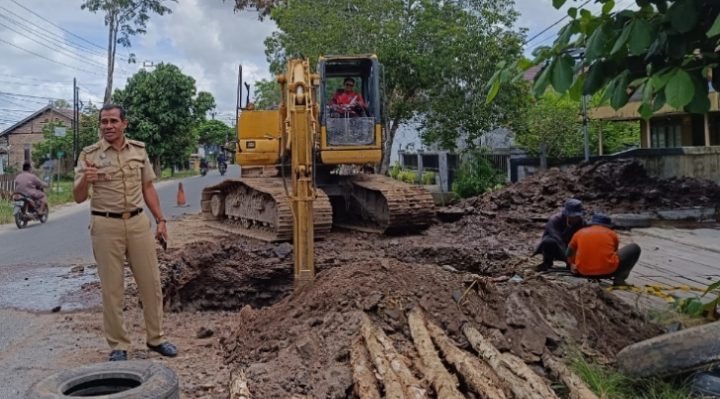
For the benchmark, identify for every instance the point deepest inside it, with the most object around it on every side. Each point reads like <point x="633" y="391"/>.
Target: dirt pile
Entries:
<point x="300" y="343"/>
<point x="511" y="217"/>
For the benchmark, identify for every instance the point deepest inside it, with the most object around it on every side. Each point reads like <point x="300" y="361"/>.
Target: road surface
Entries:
<point x="64" y="240"/>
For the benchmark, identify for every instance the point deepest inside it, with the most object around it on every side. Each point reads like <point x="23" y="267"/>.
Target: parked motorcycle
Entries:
<point x="25" y="209"/>
<point x="222" y="168"/>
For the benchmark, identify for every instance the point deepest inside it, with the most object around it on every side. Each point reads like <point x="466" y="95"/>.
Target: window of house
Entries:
<point x="26" y="152"/>
<point x="666" y="135"/>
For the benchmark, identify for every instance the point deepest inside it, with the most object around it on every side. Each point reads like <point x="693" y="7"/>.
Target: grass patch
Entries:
<point x="611" y="384"/>
<point x="60" y="193"/>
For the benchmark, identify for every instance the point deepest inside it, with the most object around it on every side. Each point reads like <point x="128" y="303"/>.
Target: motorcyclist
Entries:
<point x="28" y="184"/>
<point x="203" y="163"/>
<point x="221" y="159"/>
<point x="346" y="101"/>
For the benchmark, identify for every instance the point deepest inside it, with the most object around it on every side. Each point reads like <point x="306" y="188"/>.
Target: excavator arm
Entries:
<point x="299" y="131"/>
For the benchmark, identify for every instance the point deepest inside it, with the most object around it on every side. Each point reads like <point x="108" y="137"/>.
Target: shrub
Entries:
<point x="395" y="170"/>
<point x="408" y="176"/>
<point x="475" y="176"/>
<point x="428" y="178"/>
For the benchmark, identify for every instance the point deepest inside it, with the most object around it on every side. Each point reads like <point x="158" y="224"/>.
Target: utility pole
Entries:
<point x="76" y="120"/>
<point x="148" y="64"/>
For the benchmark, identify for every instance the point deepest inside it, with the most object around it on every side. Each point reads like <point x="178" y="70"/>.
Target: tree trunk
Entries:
<point x="112" y="44"/>
<point x="543" y="156"/>
<point x="387" y="145"/>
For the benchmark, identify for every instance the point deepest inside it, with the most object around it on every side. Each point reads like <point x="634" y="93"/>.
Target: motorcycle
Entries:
<point x="25" y="209"/>
<point x="203" y="170"/>
<point x="222" y="167"/>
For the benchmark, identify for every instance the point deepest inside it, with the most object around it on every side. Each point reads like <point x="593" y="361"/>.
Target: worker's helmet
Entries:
<point x="573" y="207"/>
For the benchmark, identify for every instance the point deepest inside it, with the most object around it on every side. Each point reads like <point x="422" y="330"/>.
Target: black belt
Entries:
<point x="115" y="215"/>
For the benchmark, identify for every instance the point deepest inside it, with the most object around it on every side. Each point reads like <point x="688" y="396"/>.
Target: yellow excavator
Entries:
<point x="305" y="164"/>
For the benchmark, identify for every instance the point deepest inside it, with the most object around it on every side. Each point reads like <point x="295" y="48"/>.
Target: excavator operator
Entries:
<point x="346" y="102"/>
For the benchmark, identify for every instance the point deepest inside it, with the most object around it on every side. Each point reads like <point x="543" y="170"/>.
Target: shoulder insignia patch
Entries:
<point x="91" y="147"/>
<point x="136" y="143"/>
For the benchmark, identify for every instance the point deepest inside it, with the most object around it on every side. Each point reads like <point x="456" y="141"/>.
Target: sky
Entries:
<point x="44" y="44"/>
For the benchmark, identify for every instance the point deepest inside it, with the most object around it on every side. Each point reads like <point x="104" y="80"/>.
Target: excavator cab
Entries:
<point x="350" y="118"/>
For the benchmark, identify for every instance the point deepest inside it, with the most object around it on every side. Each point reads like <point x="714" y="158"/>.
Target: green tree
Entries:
<point x="88" y="134"/>
<point x="212" y="132"/>
<point x="551" y="122"/>
<point x="267" y="94"/>
<point x="124" y="18"/>
<point x="432" y="68"/>
<point x="163" y="110"/>
<point x="554" y="121"/>
<point x="665" y="49"/>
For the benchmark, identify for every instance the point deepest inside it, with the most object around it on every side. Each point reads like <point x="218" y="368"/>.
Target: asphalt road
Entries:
<point x="64" y="239"/>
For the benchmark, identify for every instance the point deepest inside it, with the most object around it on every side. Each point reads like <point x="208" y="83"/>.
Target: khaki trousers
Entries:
<point x="114" y="240"/>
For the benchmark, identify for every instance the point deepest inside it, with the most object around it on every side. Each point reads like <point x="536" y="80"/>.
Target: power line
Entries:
<point x="551" y="25"/>
<point x="57" y="26"/>
<point x="58" y="49"/>
<point x="49" y="35"/>
<point x="63" y="29"/>
<point x="50" y="59"/>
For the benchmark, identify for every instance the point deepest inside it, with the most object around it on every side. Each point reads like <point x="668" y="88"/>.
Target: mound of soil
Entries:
<point x="511" y="217"/>
<point x="299" y="343"/>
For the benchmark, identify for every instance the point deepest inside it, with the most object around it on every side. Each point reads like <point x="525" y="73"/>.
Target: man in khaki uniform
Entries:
<point x="121" y="177"/>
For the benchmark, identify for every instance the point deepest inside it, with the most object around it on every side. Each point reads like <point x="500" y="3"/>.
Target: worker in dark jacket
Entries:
<point x="559" y="231"/>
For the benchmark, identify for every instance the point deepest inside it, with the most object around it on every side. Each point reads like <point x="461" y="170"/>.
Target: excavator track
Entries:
<point x="259" y="208"/>
<point x="381" y="204"/>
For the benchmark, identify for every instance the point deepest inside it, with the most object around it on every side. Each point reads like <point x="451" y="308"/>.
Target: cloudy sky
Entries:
<point x="45" y="43"/>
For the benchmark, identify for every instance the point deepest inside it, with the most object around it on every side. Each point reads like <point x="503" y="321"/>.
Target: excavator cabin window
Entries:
<point x="349" y="100"/>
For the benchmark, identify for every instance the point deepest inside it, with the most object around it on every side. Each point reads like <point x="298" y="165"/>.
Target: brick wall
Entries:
<point x="30" y="133"/>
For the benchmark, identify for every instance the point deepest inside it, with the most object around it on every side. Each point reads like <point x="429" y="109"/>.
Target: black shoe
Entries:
<point x="165" y="349"/>
<point x="118" y="355"/>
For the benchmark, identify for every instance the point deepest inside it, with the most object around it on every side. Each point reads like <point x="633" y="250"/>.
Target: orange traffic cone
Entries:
<point x="181" y="195"/>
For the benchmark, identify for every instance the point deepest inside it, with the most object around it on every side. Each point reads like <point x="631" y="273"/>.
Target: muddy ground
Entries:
<point x="230" y="302"/>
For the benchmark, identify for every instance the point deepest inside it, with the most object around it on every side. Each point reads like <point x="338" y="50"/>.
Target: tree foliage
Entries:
<point x="212" y="132"/>
<point x="124" y="18"/>
<point x="267" y="94"/>
<point x="163" y="110"/>
<point x="431" y="67"/>
<point x="555" y="121"/>
<point x="665" y="50"/>
<point x="88" y="134"/>
<point x="552" y="122"/>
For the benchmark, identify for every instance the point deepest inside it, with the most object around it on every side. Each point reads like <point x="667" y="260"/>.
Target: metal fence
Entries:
<point x="7" y="185"/>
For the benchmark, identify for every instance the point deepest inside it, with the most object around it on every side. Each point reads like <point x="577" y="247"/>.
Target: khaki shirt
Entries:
<point x="121" y="175"/>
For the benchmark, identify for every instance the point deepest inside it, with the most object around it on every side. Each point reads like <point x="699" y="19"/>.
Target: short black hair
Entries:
<point x="349" y="79"/>
<point x="108" y="107"/>
<point x="27" y="166"/>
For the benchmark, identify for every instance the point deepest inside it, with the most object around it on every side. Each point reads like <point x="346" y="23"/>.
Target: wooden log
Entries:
<point x="364" y="381"/>
<point x="239" y="386"/>
<point x="523" y="382"/>
<point x="477" y="374"/>
<point x="411" y="387"/>
<point x="577" y="389"/>
<point x="391" y="382"/>
<point x="444" y="383"/>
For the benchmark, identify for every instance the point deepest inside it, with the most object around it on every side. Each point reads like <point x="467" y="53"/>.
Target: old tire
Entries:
<point x="707" y="384"/>
<point x="111" y="380"/>
<point x="674" y="353"/>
